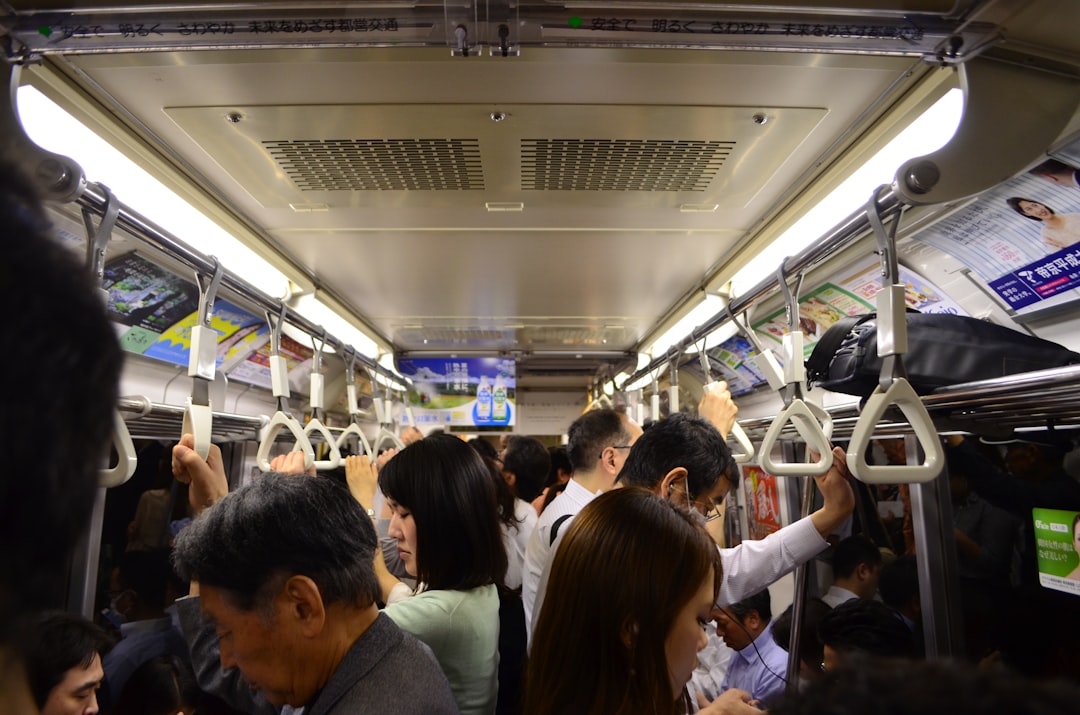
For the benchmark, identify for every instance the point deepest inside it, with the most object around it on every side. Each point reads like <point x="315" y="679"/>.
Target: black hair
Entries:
<point x="899" y="582"/>
<point x="448" y="489"/>
<point x="528" y="459"/>
<point x="59" y="642"/>
<point x="868" y="627"/>
<point x="71" y="376"/>
<point x="680" y="441"/>
<point x="1014" y="202"/>
<point x="591" y="434"/>
<point x="560" y="460"/>
<point x="811" y="650"/>
<point x="504" y="495"/>
<point x="852" y="551"/>
<point x="282" y="525"/>
<point x="163" y="685"/>
<point x="915" y="688"/>
<point x="484" y="448"/>
<point x="760" y="602"/>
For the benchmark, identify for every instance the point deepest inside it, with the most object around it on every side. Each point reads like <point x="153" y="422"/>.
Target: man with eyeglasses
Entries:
<point x="599" y="442"/>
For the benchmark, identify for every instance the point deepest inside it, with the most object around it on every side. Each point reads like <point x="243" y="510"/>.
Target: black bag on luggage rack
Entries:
<point x="942" y="350"/>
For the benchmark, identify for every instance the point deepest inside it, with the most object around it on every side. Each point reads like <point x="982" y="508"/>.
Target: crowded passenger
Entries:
<point x="686" y="460"/>
<point x="63" y="663"/>
<point x="599" y="443"/>
<point x="525" y="465"/>
<point x="164" y="685"/>
<point x="811" y="652"/>
<point x="915" y="688"/>
<point x="559" y="474"/>
<point x="631" y="649"/>
<point x="759" y="665"/>
<point x="445" y="519"/>
<point x="856" y="564"/>
<point x="71" y="378"/>
<point x="139" y="595"/>
<point x="859" y="628"/>
<point x="899" y="589"/>
<point x="282" y="572"/>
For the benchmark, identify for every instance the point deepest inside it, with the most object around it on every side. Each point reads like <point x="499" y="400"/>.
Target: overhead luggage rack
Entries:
<point x="1032" y="400"/>
<point x="153" y="420"/>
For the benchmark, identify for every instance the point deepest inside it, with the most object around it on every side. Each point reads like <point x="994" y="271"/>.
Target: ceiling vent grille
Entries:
<point x="621" y="164"/>
<point x="380" y="164"/>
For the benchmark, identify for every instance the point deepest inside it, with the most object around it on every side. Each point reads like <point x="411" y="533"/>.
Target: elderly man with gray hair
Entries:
<point x="282" y="570"/>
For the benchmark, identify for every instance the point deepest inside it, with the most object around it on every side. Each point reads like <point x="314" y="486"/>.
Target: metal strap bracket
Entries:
<point x="893" y="388"/>
<point x="811" y="421"/>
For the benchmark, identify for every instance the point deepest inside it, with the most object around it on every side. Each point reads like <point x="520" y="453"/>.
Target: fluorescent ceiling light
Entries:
<point x="707" y="308"/>
<point x="52" y="128"/>
<point x="321" y="314"/>
<point x="932" y="130"/>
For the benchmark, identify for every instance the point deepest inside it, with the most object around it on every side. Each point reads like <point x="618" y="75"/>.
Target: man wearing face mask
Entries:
<point x="139" y="595"/>
<point x="686" y="459"/>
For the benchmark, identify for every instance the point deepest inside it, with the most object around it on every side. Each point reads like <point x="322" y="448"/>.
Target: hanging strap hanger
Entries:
<point x="202" y="361"/>
<point x="97" y="240"/>
<point x="385" y="415"/>
<point x="315" y="425"/>
<point x="654" y="398"/>
<point x="405" y="403"/>
<point x="893" y="388"/>
<point x="737" y="431"/>
<point x="279" y="384"/>
<point x="354" y="407"/>
<point x="812" y="422"/>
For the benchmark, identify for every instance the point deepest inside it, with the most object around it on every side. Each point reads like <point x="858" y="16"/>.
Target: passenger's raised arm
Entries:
<point x="839" y="500"/>
<point x="718" y="408"/>
<point x="206" y="476"/>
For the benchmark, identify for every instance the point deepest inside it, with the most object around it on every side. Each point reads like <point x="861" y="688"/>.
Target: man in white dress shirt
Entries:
<point x="599" y="443"/>
<point x="856" y="568"/>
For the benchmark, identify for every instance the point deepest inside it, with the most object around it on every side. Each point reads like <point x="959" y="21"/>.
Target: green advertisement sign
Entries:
<point x="1057" y="542"/>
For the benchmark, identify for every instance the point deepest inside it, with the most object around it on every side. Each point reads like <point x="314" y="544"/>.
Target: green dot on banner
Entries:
<point x="45" y="31"/>
<point x="574" y="22"/>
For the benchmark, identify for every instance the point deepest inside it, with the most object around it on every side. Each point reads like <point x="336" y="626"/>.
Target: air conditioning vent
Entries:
<point x="380" y="164"/>
<point x="621" y="164"/>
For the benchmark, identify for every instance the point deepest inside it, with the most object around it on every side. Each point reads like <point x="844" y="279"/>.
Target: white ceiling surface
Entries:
<point x="611" y="263"/>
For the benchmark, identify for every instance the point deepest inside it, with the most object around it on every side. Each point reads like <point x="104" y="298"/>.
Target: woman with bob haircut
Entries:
<point x="446" y="522"/>
<point x="630" y="591"/>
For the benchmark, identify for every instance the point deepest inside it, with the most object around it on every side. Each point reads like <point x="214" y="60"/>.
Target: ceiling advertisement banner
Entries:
<point x="462" y="392"/>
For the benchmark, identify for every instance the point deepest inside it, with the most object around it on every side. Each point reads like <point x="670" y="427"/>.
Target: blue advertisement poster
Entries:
<point x="461" y="392"/>
<point x="239" y="332"/>
<point x="1022" y="237"/>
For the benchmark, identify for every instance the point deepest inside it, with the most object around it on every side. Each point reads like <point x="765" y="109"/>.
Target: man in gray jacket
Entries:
<point x="283" y="569"/>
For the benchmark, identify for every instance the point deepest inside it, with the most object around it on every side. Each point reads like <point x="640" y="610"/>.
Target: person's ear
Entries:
<point x="509" y="477"/>
<point x="676" y="477"/>
<point x="863" y="571"/>
<point x="303" y="604"/>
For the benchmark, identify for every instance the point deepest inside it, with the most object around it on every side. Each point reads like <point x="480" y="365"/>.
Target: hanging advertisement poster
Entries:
<point x="1057" y="545"/>
<point x="239" y="332"/>
<point x="731" y="359"/>
<point x="854" y="294"/>
<point x="461" y="392"/>
<point x="146" y="299"/>
<point x="255" y="369"/>
<point x="763" y="502"/>
<point x="1022" y="237"/>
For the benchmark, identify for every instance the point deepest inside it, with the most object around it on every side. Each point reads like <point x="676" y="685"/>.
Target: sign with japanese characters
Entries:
<point x="1021" y="238"/>
<point x="1057" y="545"/>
